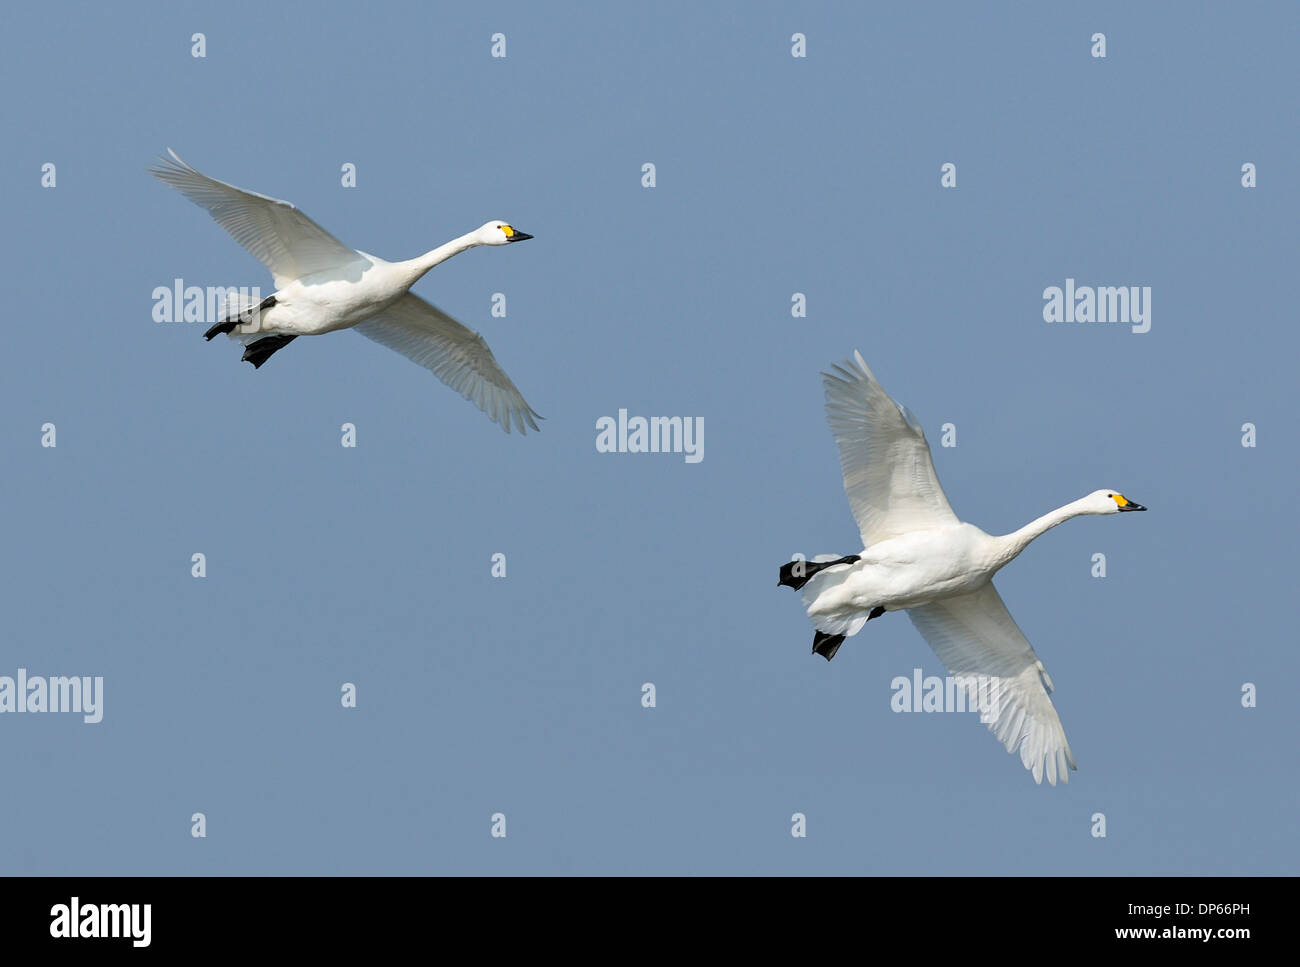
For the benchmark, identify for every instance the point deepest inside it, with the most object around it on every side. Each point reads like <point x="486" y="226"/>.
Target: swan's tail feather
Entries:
<point x="798" y="573"/>
<point x="259" y="352"/>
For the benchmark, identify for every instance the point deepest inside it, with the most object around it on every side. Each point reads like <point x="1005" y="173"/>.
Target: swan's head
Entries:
<point x="497" y="232"/>
<point x="1108" y="502"/>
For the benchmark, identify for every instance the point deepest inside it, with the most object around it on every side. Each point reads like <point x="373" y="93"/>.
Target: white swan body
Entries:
<point x="902" y="572"/>
<point x="927" y="565"/>
<point x="918" y="557"/>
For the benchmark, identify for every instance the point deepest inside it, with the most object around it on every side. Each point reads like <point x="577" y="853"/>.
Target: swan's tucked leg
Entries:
<point x="798" y="573"/>
<point x="259" y="352"/>
<point x="827" y="645"/>
<point x="230" y="323"/>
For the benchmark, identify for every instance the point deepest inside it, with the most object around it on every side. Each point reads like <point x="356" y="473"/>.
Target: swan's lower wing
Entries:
<point x="888" y="474"/>
<point x="977" y="639"/>
<point x="277" y="234"/>
<point x="456" y="354"/>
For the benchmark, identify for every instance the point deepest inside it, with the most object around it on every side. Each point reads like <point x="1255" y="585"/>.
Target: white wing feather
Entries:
<point x="975" y="637"/>
<point x="888" y="474"/>
<point x="456" y="354"/>
<point x="278" y="235"/>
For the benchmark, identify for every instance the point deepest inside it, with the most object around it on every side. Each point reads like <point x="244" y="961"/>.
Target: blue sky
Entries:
<point x="522" y="695"/>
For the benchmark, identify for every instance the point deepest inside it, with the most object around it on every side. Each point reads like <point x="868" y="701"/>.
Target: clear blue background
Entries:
<point x="522" y="695"/>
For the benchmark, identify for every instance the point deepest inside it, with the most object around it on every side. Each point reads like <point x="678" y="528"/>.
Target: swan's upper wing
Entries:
<point x="282" y="238"/>
<point x="976" y="637"/>
<point x="888" y="474"/>
<point x="457" y="355"/>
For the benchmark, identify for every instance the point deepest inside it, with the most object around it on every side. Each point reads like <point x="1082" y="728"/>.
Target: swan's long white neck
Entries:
<point x="421" y="264"/>
<point x="1015" y="542"/>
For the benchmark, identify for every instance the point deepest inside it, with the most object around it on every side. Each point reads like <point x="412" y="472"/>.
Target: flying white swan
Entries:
<point x="322" y="285"/>
<point x="920" y="558"/>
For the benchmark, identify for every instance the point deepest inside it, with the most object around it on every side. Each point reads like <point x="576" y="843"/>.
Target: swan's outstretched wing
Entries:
<point x="976" y="637"/>
<point x="456" y="354"/>
<point x="888" y="474"/>
<point x="279" y="236"/>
